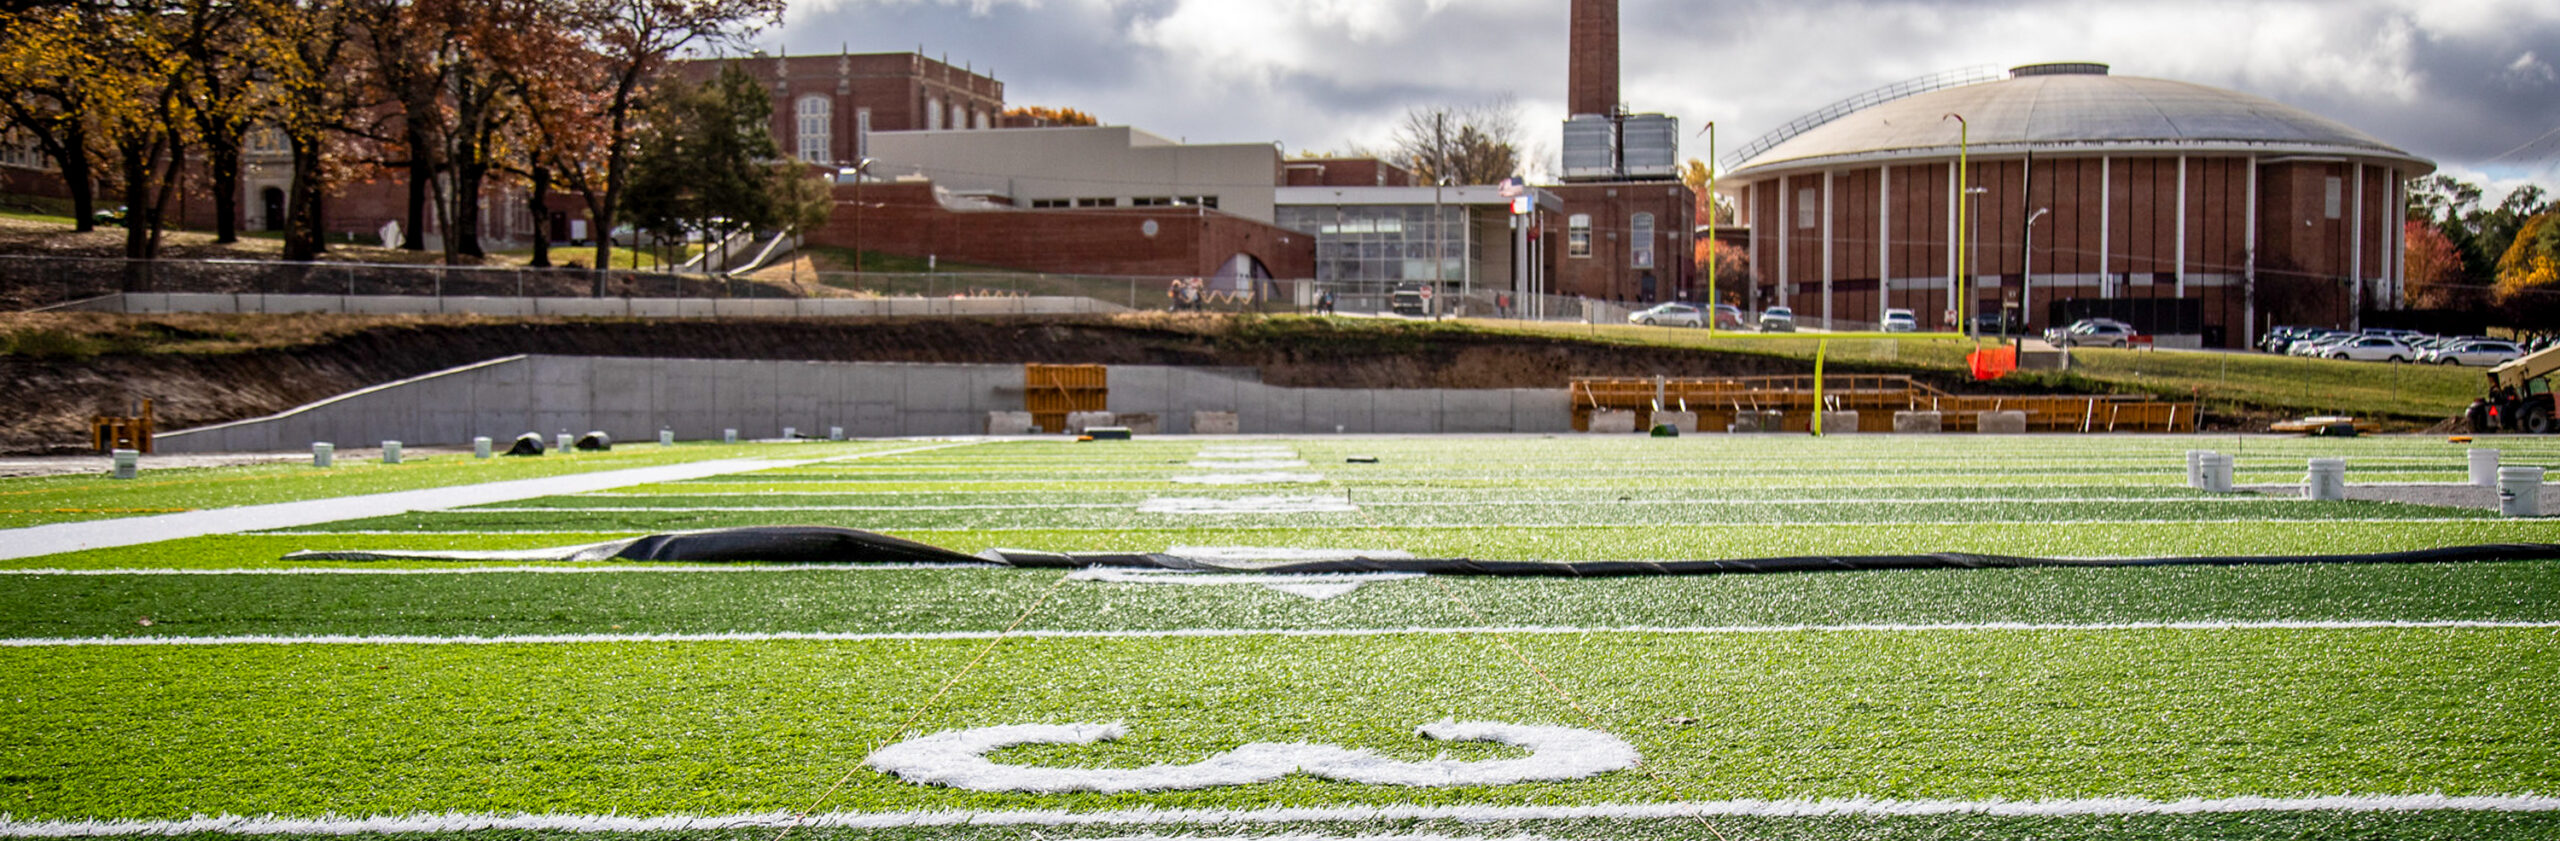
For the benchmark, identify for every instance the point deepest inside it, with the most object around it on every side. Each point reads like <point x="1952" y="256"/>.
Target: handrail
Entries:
<point x="1816" y="118"/>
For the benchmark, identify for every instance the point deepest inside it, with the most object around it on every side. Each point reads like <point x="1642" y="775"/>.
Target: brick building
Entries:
<point x="826" y="106"/>
<point x="2193" y="212"/>
<point x="919" y="218"/>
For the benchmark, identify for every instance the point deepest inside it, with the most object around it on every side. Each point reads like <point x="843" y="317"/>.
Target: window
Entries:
<point x="1097" y="202"/>
<point x="265" y="139"/>
<point x="932" y="113"/>
<point x="1805" y="208"/>
<point x="1151" y="201"/>
<point x="816" y="128"/>
<point x="1043" y="204"/>
<point x="1640" y="241"/>
<point x="861" y="133"/>
<point x="2336" y="196"/>
<point x="1577" y="236"/>
<point x="17" y="149"/>
<point x="977" y="119"/>
<point x="959" y="117"/>
<point x="1210" y="202"/>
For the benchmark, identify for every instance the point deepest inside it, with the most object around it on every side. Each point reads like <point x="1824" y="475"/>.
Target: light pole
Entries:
<point x="858" y="169"/>
<point x="1715" y="305"/>
<point x="1440" y="245"/>
<point x="1964" y="166"/>
<point x="2026" y="280"/>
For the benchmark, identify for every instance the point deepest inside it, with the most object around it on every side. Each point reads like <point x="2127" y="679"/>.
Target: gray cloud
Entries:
<point x="2459" y="82"/>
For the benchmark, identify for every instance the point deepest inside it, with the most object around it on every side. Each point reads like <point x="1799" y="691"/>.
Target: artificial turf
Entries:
<point x="2116" y="690"/>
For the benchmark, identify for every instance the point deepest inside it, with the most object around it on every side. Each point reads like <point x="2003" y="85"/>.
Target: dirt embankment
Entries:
<point x="210" y="369"/>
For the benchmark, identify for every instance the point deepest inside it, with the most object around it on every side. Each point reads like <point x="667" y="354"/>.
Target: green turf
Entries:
<point x="860" y="601"/>
<point x="632" y="727"/>
<point x="55" y="499"/>
<point x="719" y="727"/>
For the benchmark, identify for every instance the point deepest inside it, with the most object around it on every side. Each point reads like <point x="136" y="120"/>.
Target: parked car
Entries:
<point x="1728" y="317"/>
<point x="2092" y="333"/>
<point x="1998" y="324"/>
<point x="1671" y="315"/>
<point x="2481" y="352"/>
<point x="1901" y="321"/>
<point x="2372" y="349"/>
<point x="1778" y="320"/>
<point x="2319" y="343"/>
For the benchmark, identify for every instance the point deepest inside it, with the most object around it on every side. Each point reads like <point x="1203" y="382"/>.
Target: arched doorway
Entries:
<point x="271" y="203"/>
<point x="1243" y="275"/>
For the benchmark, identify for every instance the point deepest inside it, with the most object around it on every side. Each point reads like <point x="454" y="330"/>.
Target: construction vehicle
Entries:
<point x="2520" y="396"/>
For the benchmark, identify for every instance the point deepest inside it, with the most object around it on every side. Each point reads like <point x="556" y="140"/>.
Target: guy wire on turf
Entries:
<point x="1589" y="719"/>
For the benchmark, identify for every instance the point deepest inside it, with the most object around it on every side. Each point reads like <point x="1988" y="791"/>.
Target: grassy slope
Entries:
<point x="2223" y="382"/>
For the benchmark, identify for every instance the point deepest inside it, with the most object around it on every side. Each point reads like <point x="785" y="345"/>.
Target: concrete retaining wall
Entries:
<point x="631" y="399"/>
<point x="252" y="302"/>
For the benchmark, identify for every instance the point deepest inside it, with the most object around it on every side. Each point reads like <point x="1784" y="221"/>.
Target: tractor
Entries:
<point x="2520" y="396"/>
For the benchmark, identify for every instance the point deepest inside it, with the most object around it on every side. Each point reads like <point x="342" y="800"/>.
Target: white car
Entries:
<point x="2373" y="349"/>
<point x="1674" y="315"/>
<point x="2484" y="353"/>
<point x="1901" y="321"/>
<point x="1778" y="320"/>
<point x="2093" y="333"/>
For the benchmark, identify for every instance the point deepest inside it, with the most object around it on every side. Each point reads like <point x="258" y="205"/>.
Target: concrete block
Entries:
<point x="391" y="304"/>
<point x="1839" y="423"/>
<point x="1077" y="421"/>
<point x="1612" y="421"/>
<point x="1683" y="421"/>
<point x="2001" y="423"/>
<point x="194" y="302"/>
<point x="1475" y="410"/>
<point x="1215" y="423"/>
<point x="1138" y="423"/>
<point x="1755" y="421"/>
<point x="1918" y="422"/>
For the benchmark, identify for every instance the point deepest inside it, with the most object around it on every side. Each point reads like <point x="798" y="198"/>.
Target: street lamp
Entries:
<point x="856" y="171"/>
<point x="1964" y="166"/>
<point x="1439" y="245"/>
<point x="2027" y="276"/>
<point x="1715" y="305"/>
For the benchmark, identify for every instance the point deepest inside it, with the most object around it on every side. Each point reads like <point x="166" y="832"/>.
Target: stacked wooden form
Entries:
<point x="1875" y="397"/>
<point x="1051" y="392"/>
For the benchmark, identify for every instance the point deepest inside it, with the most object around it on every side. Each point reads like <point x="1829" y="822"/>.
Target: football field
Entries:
<point x="207" y="684"/>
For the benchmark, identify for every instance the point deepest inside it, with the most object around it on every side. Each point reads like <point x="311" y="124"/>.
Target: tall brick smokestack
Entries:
<point x="1593" y="86"/>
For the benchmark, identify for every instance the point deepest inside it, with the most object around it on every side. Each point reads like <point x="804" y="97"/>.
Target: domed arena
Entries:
<point x="2200" y="215"/>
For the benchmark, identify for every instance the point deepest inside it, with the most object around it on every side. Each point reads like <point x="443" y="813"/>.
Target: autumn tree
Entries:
<point x="221" y="93"/>
<point x="557" y="136"/>
<point x="633" y="39"/>
<point x="405" y="45"/>
<point x="2434" y="269"/>
<point x="1473" y="144"/>
<point x="1052" y="116"/>
<point x="315" y="98"/>
<point x="2529" y="273"/>
<point x="137" y="112"/>
<point x="48" y="73"/>
<point x="1694" y="174"/>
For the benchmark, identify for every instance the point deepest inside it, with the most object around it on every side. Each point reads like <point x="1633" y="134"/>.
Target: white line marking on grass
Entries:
<point x="486" y="570"/>
<point x="731" y="509"/>
<point x="1318" y="586"/>
<point x="1259" y="464"/>
<point x="957" y="758"/>
<point x="1206" y="633"/>
<point x="1247" y="505"/>
<point x="56" y="538"/>
<point x="1250" y="479"/>
<point x="1867" y="807"/>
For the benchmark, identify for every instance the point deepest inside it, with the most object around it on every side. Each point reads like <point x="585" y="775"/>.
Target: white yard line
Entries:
<point x="1737" y="524"/>
<point x="560" y="569"/>
<point x="1144" y="816"/>
<point x="56" y="538"/>
<point x="1449" y="503"/>
<point x="1284" y="633"/>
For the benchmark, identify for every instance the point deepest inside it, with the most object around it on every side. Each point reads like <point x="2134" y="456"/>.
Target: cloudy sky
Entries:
<point x="2469" y="83"/>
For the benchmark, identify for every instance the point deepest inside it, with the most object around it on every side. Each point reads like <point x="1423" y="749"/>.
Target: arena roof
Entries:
<point x="2074" y="108"/>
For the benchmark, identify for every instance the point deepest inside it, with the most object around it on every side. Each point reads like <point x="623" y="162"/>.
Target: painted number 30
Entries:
<point x="957" y="758"/>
